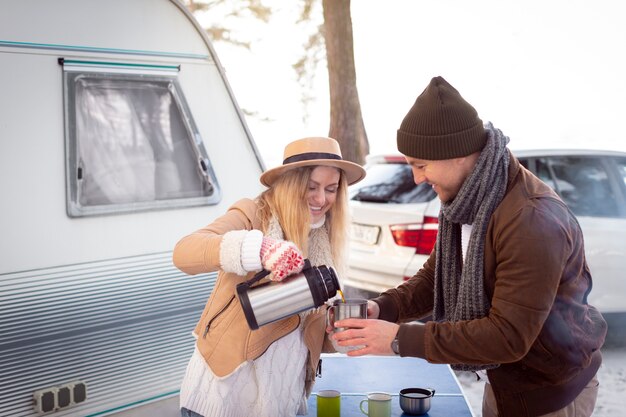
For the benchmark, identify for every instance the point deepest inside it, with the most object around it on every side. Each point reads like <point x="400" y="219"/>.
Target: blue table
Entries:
<point x="356" y="377"/>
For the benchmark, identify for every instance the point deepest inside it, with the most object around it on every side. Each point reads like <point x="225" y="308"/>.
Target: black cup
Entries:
<point x="416" y="401"/>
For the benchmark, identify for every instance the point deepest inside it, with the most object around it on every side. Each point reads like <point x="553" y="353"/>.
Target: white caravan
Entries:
<point x="119" y="134"/>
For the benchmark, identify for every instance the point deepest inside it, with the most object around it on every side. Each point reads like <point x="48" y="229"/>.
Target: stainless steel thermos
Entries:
<point x="268" y="302"/>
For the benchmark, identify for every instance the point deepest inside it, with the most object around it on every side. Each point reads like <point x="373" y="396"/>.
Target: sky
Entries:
<point x="548" y="73"/>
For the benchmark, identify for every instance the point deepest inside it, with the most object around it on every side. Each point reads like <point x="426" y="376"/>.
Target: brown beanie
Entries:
<point x="441" y="125"/>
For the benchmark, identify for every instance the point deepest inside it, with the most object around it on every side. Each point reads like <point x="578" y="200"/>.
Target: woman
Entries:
<point x="303" y="214"/>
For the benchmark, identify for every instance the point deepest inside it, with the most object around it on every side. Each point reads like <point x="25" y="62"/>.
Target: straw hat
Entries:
<point x="312" y="152"/>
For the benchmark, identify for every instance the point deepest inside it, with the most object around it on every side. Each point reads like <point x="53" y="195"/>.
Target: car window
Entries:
<point x="391" y="183"/>
<point x="621" y="169"/>
<point x="582" y="182"/>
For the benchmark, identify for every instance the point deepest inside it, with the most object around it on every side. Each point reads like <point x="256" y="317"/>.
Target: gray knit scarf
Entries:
<point x="459" y="288"/>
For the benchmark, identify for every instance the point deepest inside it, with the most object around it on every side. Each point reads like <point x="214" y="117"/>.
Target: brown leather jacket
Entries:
<point x="539" y="328"/>
<point x="224" y="338"/>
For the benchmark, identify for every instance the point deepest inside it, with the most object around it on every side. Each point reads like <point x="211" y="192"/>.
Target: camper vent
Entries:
<point x="56" y="398"/>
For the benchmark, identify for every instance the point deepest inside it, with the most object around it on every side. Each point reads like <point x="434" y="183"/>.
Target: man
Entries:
<point x="507" y="282"/>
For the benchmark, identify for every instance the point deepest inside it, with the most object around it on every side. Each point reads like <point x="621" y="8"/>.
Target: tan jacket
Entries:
<point x="540" y="328"/>
<point x="224" y="338"/>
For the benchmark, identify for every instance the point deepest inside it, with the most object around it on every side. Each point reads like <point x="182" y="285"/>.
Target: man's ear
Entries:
<point x="467" y="161"/>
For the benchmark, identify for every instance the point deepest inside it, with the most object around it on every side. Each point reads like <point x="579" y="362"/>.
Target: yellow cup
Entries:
<point x="328" y="403"/>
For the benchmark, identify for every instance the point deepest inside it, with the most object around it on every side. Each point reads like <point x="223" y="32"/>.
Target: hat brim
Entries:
<point x="354" y="172"/>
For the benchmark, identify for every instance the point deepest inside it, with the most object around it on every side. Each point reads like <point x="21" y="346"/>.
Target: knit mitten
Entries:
<point x="282" y="258"/>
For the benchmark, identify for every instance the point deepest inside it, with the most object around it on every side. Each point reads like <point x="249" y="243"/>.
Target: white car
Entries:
<point x="395" y="222"/>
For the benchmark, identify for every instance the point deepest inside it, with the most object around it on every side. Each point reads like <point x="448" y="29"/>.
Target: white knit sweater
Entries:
<point x="273" y="384"/>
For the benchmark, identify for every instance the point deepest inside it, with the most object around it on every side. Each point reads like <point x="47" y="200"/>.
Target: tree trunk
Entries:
<point x="346" y="121"/>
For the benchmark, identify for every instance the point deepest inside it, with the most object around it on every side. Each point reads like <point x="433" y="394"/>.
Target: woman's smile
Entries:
<point x="323" y="186"/>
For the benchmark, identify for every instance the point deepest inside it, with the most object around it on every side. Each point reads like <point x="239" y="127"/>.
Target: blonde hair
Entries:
<point x="286" y="199"/>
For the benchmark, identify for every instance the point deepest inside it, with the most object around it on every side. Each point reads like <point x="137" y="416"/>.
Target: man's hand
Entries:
<point x="376" y="335"/>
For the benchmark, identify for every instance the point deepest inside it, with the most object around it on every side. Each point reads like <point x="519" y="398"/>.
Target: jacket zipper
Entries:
<point x="206" y="330"/>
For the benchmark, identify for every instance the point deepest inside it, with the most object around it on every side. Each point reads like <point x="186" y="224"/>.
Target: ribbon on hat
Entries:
<point x="307" y="156"/>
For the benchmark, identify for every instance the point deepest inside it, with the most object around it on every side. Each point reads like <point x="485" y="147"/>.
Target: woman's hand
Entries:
<point x="281" y="257"/>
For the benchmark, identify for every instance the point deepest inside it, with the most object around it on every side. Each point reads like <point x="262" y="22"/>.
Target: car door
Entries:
<point x="593" y="187"/>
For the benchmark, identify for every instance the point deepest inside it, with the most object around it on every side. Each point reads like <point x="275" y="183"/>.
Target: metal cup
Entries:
<point x="355" y="308"/>
<point x="416" y="401"/>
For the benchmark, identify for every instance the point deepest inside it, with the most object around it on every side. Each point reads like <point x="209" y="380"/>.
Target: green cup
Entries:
<point x="378" y="405"/>
<point x="328" y="403"/>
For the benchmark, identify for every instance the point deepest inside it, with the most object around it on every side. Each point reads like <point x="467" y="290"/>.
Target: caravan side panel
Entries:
<point x="95" y="298"/>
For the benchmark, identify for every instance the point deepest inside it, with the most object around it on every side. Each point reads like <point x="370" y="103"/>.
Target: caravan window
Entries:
<point x="131" y="142"/>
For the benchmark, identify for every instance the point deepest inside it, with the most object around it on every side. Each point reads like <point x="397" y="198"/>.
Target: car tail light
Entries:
<point x="422" y="237"/>
<point x="395" y="159"/>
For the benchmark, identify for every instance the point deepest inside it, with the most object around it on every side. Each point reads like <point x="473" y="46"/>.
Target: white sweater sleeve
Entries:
<point x="251" y="251"/>
<point x="240" y="251"/>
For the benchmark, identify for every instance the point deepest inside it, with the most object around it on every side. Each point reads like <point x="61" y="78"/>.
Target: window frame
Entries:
<point x="72" y="70"/>
<point x="607" y="162"/>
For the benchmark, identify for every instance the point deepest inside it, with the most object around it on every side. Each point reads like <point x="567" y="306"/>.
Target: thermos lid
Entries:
<point x="323" y="283"/>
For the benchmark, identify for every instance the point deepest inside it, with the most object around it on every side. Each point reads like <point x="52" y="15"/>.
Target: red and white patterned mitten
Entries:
<point x="282" y="258"/>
